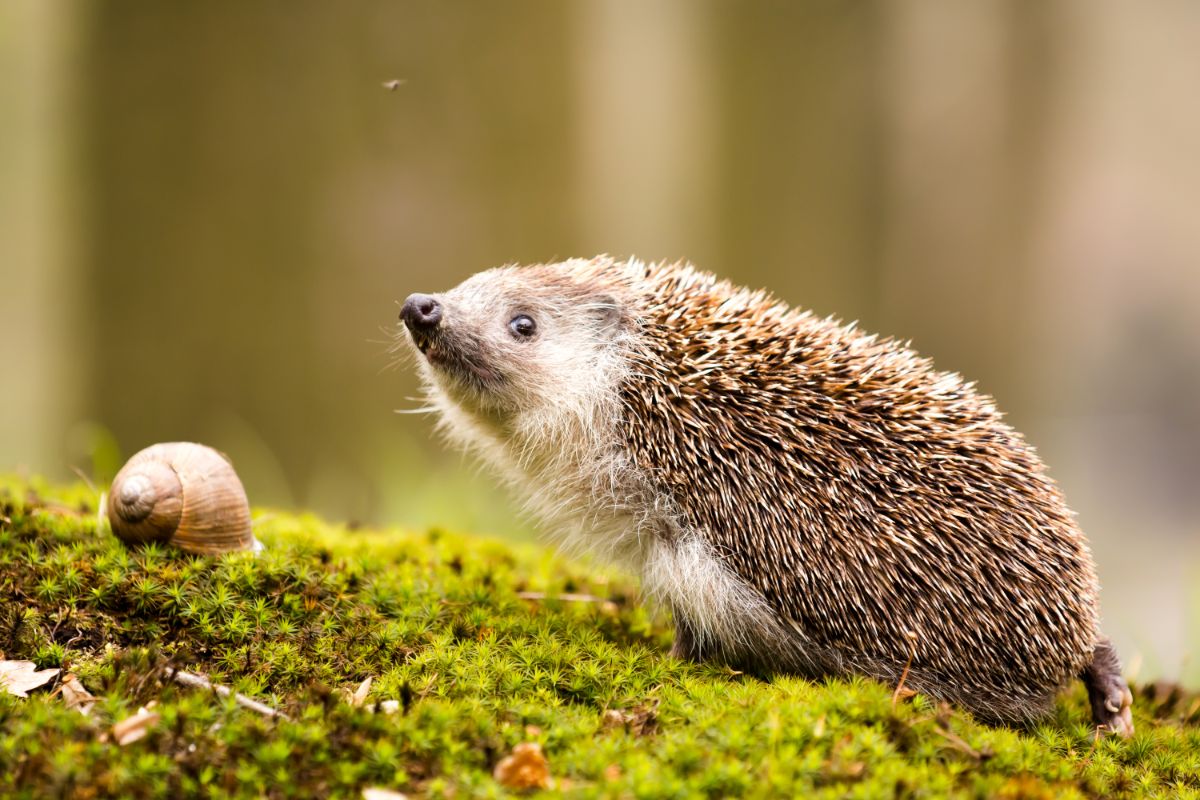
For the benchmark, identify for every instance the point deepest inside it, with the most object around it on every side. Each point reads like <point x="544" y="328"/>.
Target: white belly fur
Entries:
<point x="724" y="613"/>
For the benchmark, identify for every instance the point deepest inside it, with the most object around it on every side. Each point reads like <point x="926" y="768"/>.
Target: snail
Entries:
<point x="183" y="494"/>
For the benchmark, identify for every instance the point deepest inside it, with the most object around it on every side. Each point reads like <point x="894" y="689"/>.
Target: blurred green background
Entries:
<point x="208" y="212"/>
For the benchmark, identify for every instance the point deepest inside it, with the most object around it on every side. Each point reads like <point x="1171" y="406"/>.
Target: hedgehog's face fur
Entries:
<point x="516" y="352"/>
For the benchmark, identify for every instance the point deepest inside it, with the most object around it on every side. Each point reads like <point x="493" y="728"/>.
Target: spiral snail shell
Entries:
<point x="183" y="494"/>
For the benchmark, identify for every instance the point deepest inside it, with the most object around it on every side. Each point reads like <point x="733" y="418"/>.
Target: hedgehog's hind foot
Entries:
<point x="686" y="645"/>
<point x="1110" y="697"/>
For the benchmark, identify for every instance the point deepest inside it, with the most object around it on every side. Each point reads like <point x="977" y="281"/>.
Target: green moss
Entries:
<point x="436" y="620"/>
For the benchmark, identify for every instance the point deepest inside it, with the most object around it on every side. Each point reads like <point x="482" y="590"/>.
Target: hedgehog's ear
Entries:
<point x="608" y="312"/>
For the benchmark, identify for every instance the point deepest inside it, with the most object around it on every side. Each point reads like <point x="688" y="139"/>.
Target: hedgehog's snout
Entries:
<point x="421" y="314"/>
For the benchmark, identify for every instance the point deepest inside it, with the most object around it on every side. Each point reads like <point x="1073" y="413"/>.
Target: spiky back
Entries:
<point x="866" y="495"/>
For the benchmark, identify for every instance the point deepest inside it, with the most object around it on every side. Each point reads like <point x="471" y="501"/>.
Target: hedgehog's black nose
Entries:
<point x="421" y="313"/>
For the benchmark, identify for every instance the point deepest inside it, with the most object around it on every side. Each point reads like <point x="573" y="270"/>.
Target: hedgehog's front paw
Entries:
<point x="680" y="650"/>
<point x="686" y="647"/>
<point x="1112" y="705"/>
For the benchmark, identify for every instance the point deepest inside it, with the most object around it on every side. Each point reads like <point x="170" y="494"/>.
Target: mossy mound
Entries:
<point x="475" y="669"/>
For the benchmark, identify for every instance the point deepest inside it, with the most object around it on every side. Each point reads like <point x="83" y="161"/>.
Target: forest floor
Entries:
<point x="418" y="662"/>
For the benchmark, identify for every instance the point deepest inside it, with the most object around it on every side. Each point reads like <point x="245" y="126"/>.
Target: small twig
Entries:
<point x="201" y="682"/>
<point x="84" y="478"/>
<point x="568" y="596"/>
<point x="1097" y="735"/>
<point x="61" y="510"/>
<point x="912" y="638"/>
<point x="429" y="686"/>
<point x="959" y="744"/>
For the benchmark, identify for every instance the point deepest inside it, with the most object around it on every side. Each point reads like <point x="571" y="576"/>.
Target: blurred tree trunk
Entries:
<point x="796" y="179"/>
<point x="960" y="124"/>
<point x="262" y="202"/>
<point x="646" y="122"/>
<point x="39" y="229"/>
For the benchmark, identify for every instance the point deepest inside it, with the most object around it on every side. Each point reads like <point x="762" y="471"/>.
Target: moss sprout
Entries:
<point x="470" y="654"/>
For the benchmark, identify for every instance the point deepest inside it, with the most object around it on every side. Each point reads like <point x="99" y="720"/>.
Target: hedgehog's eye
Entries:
<point x="522" y="326"/>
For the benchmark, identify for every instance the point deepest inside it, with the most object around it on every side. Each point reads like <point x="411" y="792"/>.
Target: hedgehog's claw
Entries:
<point x="1118" y="711"/>
<point x="1111" y="700"/>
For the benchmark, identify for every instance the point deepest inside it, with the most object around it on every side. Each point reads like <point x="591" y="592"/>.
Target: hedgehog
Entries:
<point x="803" y="497"/>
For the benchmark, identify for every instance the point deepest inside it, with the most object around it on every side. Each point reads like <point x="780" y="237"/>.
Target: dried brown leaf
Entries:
<point x="76" y="695"/>
<point x="131" y="729"/>
<point x="526" y="768"/>
<point x="19" y="677"/>
<point x="640" y="721"/>
<point x="359" y="695"/>
<point x="612" y="718"/>
<point x="375" y="793"/>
